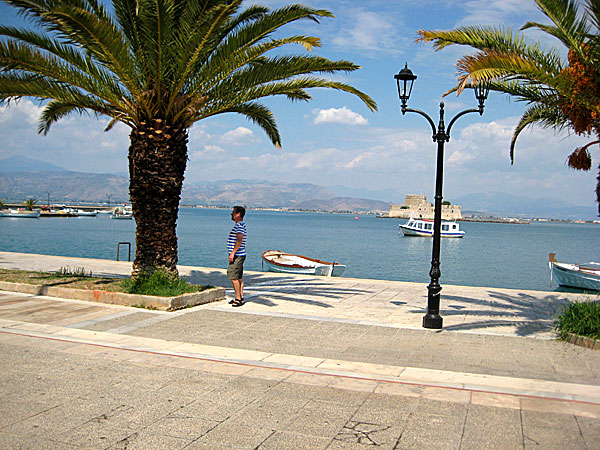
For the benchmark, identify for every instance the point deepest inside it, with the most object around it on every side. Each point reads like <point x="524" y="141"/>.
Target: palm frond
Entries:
<point x="566" y="23"/>
<point x="261" y="116"/>
<point x="53" y="112"/>
<point x="537" y="114"/>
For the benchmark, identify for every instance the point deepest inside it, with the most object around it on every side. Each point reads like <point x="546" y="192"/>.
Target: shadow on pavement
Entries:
<point x="528" y="314"/>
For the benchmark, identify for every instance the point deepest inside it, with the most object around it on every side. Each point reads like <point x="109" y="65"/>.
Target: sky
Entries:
<point x="334" y="140"/>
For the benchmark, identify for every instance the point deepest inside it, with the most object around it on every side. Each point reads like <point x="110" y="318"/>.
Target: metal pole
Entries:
<point x="432" y="318"/>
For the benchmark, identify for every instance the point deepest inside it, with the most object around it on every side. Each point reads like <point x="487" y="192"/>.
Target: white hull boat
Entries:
<point x="278" y="261"/>
<point x="122" y="213"/>
<point x="583" y="276"/>
<point x="121" y="216"/>
<point x="424" y="228"/>
<point x="20" y="214"/>
<point x="82" y="213"/>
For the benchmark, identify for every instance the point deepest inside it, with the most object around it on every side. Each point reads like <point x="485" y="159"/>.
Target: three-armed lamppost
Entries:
<point x="405" y="79"/>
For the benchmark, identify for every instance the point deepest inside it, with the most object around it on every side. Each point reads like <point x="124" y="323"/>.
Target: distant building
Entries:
<point x="420" y="208"/>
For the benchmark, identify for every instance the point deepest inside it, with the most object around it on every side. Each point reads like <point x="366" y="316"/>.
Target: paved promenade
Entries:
<point x="307" y="363"/>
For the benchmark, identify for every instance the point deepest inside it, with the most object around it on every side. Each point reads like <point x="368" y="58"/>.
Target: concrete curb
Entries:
<point x="119" y="298"/>
<point x="583" y="341"/>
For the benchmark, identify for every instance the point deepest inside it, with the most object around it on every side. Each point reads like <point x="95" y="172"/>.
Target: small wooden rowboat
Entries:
<point x="278" y="261"/>
<point x="582" y="276"/>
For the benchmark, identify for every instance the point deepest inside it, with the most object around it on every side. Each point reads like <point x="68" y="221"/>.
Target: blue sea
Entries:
<point x="490" y="254"/>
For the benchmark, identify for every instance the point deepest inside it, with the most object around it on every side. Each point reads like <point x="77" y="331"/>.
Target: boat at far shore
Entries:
<point x="121" y="213"/>
<point x="583" y="276"/>
<point x="278" y="261"/>
<point x="424" y="228"/>
<point x="19" y="213"/>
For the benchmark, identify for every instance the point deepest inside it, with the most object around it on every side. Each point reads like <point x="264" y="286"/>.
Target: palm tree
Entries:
<point x="560" y="94"/>
<point x="30" y="203"/>
<point x="159" y="66"/>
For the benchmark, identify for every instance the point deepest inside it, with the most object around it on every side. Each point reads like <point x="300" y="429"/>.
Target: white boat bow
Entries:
<point x="581" y="276"/>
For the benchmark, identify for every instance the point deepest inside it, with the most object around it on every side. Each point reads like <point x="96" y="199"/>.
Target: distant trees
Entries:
<point x="560" y="94"/>
<point x="159" y="66"/>
<point x="30" y="203"/>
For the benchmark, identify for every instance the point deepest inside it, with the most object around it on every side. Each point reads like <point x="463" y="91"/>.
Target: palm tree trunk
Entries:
<point x="157" y="160"/>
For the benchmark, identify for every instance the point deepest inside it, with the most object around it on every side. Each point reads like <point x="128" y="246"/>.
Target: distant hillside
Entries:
<point x="22" y="178"/>
<point x="22" y="164"/>
<point x="62" y="185"/>
<point x="252" y="193"/>
<point x="345" y="204"/>
<point x="500" y="204"/>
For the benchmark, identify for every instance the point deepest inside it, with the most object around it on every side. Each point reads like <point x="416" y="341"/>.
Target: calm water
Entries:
<point x="495" y="255"/>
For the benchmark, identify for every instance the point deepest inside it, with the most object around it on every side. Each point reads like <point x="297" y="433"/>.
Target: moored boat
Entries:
<point x="21" y="214"/>
<point x="125" y="216"/>
<point x="122" y="213"/>
<point x="278" y="261"/>
<point x="582" y="276"/>
<point x="424" y="228"/>
<point x="83" y="213"/>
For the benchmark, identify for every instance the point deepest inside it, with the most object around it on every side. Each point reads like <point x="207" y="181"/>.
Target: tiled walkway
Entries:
<point x="306" y="363"/>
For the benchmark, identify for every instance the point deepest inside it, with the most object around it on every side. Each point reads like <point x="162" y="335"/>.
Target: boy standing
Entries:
<point x="236" y="249"/>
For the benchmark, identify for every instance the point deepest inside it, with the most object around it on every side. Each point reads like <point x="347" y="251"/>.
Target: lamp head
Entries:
<point x="405" y="79"/>
<point x="481" y="93"/>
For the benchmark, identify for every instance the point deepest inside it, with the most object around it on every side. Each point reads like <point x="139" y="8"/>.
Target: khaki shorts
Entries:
<point x="235" y="270"/>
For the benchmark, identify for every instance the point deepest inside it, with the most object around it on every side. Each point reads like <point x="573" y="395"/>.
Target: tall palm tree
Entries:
<point x="560" y="94"/>
<point x="159" y="66"/>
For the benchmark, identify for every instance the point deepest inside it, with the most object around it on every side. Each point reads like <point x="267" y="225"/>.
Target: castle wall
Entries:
<point x="420" y="208"/>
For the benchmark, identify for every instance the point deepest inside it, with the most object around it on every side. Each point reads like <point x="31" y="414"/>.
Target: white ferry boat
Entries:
<point x="424" y="228"/>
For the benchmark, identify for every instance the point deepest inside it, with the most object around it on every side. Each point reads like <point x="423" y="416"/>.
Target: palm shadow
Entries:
<point x="301" y="286"/>
<point x="528" y="314"/>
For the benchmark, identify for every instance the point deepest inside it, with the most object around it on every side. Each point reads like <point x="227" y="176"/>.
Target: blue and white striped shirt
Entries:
<point x="239" y="228"/>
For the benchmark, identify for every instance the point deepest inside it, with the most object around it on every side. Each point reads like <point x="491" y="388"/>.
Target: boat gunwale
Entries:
<point x="296" y="266"/>
<point x="575" y="269"/>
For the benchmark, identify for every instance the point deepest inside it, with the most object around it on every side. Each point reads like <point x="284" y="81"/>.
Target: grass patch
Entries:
<point x="160" y="284"/>
<point x="580" y="318"/>
<point x="75" y="272"/>
<point x="80" y="279"/>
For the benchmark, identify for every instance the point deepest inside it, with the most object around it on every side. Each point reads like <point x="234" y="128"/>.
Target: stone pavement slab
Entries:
<point x="188" y="408"/>
<point x="371" y="302"/>
<point x="306" y="363"/>
<point x="439" y="384"/>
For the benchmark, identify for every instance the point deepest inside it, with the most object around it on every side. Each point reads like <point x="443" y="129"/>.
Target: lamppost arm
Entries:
<point x="424" y="114"/>
<point x="459" y="115"/>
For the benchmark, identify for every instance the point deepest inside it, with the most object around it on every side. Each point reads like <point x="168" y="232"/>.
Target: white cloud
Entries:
<point x="208" y="153"/>
<point x="23" y="112"/>
<point x="495" y="12"/>
<point x="372" y="32"/>
<point x="239" y="136"/>
<point x="339" y="115"/>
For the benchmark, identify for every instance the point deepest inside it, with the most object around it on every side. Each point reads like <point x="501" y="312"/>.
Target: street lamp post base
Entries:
<point x="433" y="321"/>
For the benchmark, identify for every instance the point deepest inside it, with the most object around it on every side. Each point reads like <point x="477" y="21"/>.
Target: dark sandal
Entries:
<point x="238" y="302"/>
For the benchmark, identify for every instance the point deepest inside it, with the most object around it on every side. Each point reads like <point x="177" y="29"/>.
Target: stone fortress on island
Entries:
<point x="418" y="207"/>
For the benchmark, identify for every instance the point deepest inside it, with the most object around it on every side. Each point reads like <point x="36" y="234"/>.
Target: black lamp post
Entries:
<point x="405" y="79"/>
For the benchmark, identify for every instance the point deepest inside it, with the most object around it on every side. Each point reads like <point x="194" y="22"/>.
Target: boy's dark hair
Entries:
<point x="240" y="209"/>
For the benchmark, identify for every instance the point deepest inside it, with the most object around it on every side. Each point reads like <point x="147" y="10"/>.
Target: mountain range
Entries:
<point x="22" y="178"/>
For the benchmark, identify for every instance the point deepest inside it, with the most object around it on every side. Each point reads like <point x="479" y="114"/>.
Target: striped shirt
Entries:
<point x="239" y="228"/>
